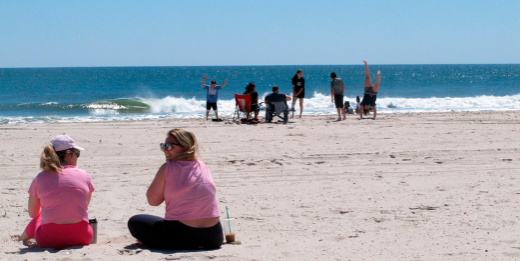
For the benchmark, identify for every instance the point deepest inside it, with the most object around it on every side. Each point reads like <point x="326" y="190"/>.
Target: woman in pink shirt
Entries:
<point x="59" y="197"/>
<point x="185" y="184"/>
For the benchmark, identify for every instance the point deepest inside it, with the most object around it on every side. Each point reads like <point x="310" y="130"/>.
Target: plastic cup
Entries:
<point x="93" y="223"/>
<point x="229" y="229"/>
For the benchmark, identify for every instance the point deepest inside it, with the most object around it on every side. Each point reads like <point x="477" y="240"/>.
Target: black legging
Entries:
<point x="155" y="232"/>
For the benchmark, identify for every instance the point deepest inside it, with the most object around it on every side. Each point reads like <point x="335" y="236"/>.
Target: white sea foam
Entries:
<point x="319" y="104"/>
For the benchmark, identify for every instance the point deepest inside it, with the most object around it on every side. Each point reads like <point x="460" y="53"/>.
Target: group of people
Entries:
<point x="337" y="87"/>
<point x="60" y="194"/>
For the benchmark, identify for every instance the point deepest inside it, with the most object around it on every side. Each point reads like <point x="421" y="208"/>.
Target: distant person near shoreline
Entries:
<point x="337" y="88"/>
<point x="369" y="99"/>
<point x="298" y="83"/>
<point x="251" y="90"/>
<point x="212" y="95"/>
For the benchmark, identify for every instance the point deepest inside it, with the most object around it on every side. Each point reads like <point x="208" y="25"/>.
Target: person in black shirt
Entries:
<point x="251" y="90"/>
<point x="271" y="106"/>
<point x="298" y="84"/>
<point x="276" y="97"/>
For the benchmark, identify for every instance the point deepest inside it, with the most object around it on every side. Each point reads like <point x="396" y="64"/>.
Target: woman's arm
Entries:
<point x="34" y="207"/>
<point x="155" y="193"/>
<point x="89" y="198"/>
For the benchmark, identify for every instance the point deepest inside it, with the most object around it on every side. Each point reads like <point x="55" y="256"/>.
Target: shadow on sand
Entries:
<point x="137" y="248"/>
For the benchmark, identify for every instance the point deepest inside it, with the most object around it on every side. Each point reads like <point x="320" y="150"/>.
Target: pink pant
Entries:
<point x="59" y="236"/>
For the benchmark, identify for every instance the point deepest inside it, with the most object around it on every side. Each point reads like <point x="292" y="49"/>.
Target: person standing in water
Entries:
<point x="337" y="88"/>
<point x="369" y="99"/>
<point x="298" y="83"/>
<point x="212" y="95"/>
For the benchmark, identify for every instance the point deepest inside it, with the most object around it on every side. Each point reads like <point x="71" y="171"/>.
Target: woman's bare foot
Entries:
<point x="365" y="62"/>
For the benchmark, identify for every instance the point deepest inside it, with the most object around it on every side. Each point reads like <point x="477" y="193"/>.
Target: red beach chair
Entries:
<point x="243" y="106"/>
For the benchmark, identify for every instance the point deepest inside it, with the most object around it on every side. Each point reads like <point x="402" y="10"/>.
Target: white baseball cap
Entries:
<point x="64" y="142"/>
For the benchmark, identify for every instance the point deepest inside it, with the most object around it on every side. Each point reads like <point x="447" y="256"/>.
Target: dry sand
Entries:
<point x="436" y="186"/>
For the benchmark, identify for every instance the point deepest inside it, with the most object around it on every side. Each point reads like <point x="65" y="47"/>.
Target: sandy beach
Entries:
<point x="433" y="186"/>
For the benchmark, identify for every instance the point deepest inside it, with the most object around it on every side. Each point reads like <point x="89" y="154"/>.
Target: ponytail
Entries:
<point x="49" y="160"/>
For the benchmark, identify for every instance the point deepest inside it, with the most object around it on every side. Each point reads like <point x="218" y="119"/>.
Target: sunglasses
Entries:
<point x="77" y="152"/>
<point x="168" y="146"/>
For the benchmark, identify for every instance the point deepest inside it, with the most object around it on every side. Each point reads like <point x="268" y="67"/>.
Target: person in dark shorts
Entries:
<point x="212" y="95"/>
<point x="369" y="99"/>
<point x="185" y="185"/>
<point x="251" y="90"/>
<point x="337" y="88"/>
<point x="298" y="83"/>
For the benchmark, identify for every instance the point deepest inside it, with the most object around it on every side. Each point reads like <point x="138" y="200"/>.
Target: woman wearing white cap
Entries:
<point x="59" y="197"/>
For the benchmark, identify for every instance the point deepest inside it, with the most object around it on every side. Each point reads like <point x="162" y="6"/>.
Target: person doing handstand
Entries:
<point x="369" y="99"/>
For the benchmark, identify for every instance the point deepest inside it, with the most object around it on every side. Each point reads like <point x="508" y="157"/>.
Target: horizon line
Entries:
<point x="140" y="66"/>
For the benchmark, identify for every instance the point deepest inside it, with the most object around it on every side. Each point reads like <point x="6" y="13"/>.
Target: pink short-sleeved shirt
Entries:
<point x="63" y="196"/>
<point x="189" y="191"/>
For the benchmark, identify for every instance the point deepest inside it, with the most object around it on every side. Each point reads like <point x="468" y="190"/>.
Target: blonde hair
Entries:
<point x="187" y="140"/>
<point x="49" y="160"/>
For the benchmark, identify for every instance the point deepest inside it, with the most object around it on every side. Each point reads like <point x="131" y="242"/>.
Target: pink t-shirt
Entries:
<point x="189" y="192"/>
<point x="63" y="196"/>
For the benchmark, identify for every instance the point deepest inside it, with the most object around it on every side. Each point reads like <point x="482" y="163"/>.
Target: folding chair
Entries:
<point x="277" y="109"/>
<point x="243" y="106"/>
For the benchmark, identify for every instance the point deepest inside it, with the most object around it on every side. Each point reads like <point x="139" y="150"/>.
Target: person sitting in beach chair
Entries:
<point x="243" y="107"/>
<point x="251" y="90"/>
<point x="276" y="105"/>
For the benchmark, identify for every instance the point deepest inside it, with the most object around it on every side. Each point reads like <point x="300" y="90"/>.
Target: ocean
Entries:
<point x="38" y="95"/>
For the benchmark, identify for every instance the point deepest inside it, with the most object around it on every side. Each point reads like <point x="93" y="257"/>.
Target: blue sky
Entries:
<point x="263" y="32"/>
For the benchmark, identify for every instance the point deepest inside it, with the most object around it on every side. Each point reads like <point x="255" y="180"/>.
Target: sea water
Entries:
<point x="36" y="95"/>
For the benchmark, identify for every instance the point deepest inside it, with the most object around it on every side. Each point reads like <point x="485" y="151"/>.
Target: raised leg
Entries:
<point x="378" y="79"/>
<point x="368" y="83"/>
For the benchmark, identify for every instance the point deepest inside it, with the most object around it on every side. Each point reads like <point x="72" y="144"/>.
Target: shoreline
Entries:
<point x="261" y="116"/>
<point x="439" y="186"/>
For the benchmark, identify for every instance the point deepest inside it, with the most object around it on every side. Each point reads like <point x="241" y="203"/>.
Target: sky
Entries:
<point x="263" y="32"/>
